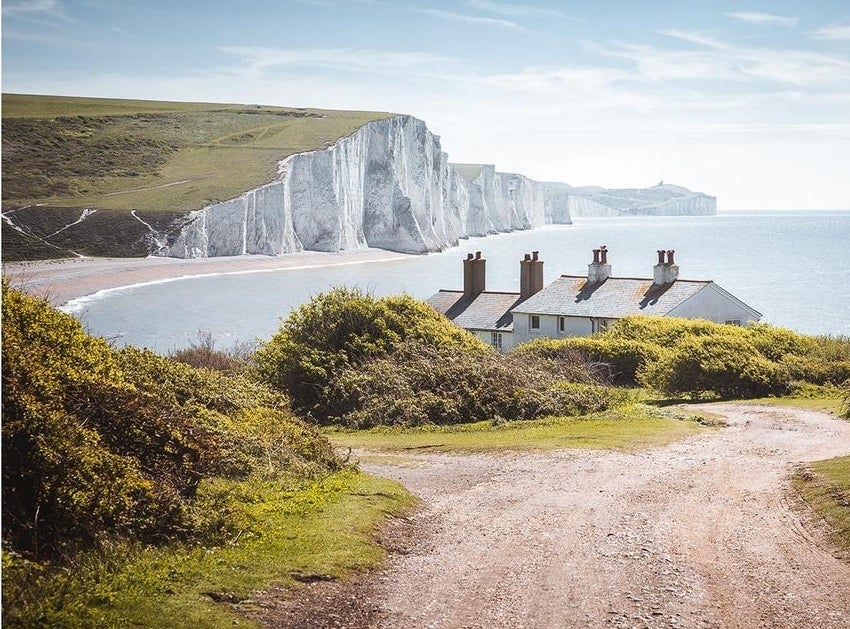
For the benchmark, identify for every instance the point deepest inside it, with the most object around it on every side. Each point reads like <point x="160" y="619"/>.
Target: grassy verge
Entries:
<point x="630" y="427"/>
<point x="829" y="405"/>
<point x="324" y="532"/>
<point x="825" y="486"/>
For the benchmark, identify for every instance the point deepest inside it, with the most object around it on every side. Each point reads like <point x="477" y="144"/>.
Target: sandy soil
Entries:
<point x="63" y="280"/>
<point x="702" y="533"/>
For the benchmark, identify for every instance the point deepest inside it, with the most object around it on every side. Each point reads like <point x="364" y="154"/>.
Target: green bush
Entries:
<point x="344" y="329"/>
<point x="546" y="361"/>
<point x="726" y="366"/>
<point x="202" y="353"/>
<point x="423" y="384"/>
<point x="566" y="399"/>
<point x="99" y="443"/>
<point x="778" y="343"/>
<point x="664" y="331"/>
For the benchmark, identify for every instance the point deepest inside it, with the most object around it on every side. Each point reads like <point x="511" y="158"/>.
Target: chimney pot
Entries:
<point x="596" y="256"/>
<point x="666" y="271"/>
<point x="604" y="251"/>
<point x="530" y="275"/>
<point x="477" y="255"/>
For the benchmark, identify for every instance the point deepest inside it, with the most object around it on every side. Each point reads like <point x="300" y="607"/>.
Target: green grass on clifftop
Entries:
<point x="121" y="155"/>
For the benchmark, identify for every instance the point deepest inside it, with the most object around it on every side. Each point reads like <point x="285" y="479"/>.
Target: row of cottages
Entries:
<point x="578" y="305"/>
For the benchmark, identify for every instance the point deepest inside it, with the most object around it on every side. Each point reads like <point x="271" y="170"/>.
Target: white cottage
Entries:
<point x="579" y="305"/>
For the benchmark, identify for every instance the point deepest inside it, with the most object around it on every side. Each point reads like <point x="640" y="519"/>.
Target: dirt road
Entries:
<point x="702" y="533"/>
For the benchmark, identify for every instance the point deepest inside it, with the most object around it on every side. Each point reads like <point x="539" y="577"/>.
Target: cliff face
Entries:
<point x="660" y="200"/>
<point x="389" y="185"/>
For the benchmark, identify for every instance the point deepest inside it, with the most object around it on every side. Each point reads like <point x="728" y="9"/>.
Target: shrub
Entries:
<point x="62" y="483"/>
<point x="664" y="331"/>
<point x="341" y="330"/>
<point x="725" y="366"/>
<point x="546" y="361"/>
<point x="423" y="384"/>
<point x="778" y="343"/>
<point x="566" y="398"/>
<point x="98" y="443"/>
<point x="203" y="354"/>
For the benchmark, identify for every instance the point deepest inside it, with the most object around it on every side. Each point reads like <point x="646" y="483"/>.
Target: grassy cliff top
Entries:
<point x="151" y="155"/>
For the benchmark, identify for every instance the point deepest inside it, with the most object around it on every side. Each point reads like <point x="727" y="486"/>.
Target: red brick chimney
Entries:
<point x="530" y="275"/>
<point x="474" y="275"/>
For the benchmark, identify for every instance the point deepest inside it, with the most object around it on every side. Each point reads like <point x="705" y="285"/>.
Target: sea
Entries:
<point x="793" y="267"/>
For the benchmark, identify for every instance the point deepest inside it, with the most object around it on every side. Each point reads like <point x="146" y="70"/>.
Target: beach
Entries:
<point x="60" y="281"/>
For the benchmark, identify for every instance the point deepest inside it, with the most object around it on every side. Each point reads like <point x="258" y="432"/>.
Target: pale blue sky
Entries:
<point x="749" y="101"/>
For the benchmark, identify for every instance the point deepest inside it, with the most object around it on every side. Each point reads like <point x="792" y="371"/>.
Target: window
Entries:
<point x="534" y="322"/>
<point x="562" y="324"/>
<point x="598" y="325"/>
<point x="496" y="340"/>
<point x="733" y="322"/>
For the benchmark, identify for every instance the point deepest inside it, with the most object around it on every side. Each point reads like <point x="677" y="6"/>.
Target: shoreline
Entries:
<point x="61" y="281"/>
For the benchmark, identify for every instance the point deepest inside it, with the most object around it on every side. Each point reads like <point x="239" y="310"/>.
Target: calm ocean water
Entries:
<point x="793" y="267"/>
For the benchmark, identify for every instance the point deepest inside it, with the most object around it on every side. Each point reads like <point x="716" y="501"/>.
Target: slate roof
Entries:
<point x="616" y="297"/>
<point x="486" y="311"/>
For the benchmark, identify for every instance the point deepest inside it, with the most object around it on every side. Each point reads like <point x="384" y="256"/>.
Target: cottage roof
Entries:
<point x="616" y="297"/>
<point x="485" y="311"/>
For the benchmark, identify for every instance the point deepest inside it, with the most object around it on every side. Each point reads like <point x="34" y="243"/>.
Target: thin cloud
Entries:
<point x="33" y="6"/>
<point x="472" y="19"/>
<point x="762" y="19"/>
<point x="44" y="11"/>
<point x="694" y="38"/>
<point x="517" y="10"/>
<point x="260" y="60"/>
<point x="718" y="60"/>
<point x="833" y="32"/>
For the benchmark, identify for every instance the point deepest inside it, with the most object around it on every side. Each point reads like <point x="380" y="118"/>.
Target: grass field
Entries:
<point x="632" y="427"/>
<point x="825" y="486"/>
<point x="830" y="405"/>
<point x="64" y="152"/>
<point x="325" y="532"/>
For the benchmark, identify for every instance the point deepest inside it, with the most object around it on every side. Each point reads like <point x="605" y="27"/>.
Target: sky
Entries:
<point x="747" y="101"/>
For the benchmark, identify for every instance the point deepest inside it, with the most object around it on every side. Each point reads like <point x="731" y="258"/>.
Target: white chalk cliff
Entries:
<point x="660" y="200"/>
<point x="388" y="185"/>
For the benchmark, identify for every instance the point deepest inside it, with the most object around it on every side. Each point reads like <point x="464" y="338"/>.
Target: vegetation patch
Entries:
<point x="325" y="531"/>
<point x="120" y="155"/>
<point x="703" y="360"/>
<point x="825" y="486"/>
<point x="349" y="358"/>
<point x="133" y="483"/>
<point x="628" y="427"/>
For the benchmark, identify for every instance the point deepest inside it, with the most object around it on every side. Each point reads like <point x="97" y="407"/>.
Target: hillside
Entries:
<point x="663" y="199"/>
<point x="139" y="163"/>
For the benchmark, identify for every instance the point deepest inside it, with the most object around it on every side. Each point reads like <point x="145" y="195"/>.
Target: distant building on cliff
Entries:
<point x="579" y="305"/>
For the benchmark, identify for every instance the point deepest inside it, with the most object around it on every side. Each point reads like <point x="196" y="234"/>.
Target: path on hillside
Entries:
<point x="702" y="533"/>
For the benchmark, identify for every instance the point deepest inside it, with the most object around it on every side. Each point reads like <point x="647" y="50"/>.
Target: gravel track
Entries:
<point x="701" y="533"/>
